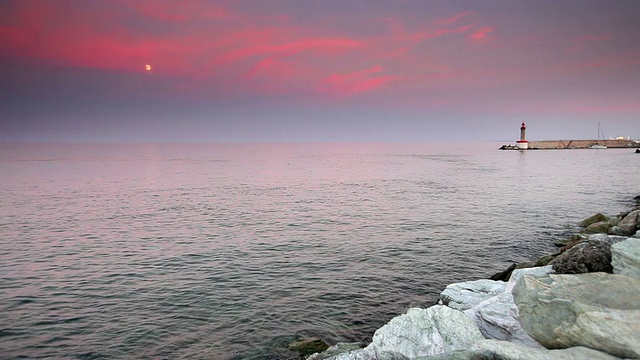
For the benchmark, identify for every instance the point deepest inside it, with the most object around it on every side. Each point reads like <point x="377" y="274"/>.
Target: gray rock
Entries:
<point x="630" y="222"/>
<point x="613" y="221"/>
<point x="424" y="332"/>
<point x="589" y="256"/>
<point x="465" y="295"/>
<point x="592" y="219"/>
<point x="599" y="227"/>
<point x="462" y="355"/>
<point x="497" y="317"/>
<point x="368" y="354"/>
<point x="637" y="235"/>
<point x="337" y="349"/>
<point x="619" y="230"/>
<point x="308" y="346"/>
<point x="597" y="310"/>
<point x="625" y="258"/>
<point x="539" y="271"/>
<point x="505" y="350"/>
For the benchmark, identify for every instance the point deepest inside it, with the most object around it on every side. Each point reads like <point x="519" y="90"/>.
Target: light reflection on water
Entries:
<point x="222" y="251"/>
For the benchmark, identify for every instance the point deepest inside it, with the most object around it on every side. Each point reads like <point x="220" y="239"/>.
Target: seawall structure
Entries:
<point x="576" y="144"/>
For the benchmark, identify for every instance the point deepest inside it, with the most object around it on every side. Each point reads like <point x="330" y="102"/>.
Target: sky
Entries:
<point x="318" y="70"/>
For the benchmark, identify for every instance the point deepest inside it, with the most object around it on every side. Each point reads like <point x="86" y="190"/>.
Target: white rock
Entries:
<point x="465" y="295"/>
<point x="423" y="332"/>
<point x="625" y="258"/>
<point x="507" y="350"/>
<point x="534" y="271"/>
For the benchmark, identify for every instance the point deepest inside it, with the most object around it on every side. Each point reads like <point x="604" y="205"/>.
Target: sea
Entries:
<point x="233" y="251"/>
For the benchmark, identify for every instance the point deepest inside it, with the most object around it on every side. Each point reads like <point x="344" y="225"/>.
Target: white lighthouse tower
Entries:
<point x="522" y="144"/>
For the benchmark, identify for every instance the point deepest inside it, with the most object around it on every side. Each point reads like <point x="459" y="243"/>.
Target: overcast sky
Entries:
<point x="317" y="70"/>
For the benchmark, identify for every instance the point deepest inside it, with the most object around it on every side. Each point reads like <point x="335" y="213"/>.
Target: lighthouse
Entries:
<point x="522" y="144"/>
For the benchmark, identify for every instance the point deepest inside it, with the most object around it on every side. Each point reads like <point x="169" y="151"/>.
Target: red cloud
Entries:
<point x="482" y="34"/>
<point x="355" y="82"/>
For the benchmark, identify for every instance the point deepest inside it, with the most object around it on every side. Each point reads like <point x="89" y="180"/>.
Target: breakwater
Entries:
<point x="581" y="305"/>
<point x="576" y="144"/>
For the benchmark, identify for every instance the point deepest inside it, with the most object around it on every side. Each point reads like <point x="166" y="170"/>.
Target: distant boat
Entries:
<point x="598" y="145"/>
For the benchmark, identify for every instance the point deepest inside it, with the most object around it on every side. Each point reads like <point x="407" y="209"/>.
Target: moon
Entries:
<point x="147" y="67"/>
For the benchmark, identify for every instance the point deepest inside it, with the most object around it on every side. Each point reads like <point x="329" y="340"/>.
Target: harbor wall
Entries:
<point x="581" y="144"/>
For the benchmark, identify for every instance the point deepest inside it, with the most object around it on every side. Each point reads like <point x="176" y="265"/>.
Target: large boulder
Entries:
<point x="596" y="310"/>
<point x="465" y="295"/>
<point x="497" y="317"/>
<point x="592" y="255"/>
<point x="505" y="350"/>
<point x="592" y="220"/>
<point x="630" y="222"/>
<point x="599" y="227"/>
<point x="589" y="256"/>
<point x="625" y="258"/>
<point x="424" y="332"/>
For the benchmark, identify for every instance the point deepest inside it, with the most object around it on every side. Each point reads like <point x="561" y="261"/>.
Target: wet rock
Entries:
<point x="598" y="227"/>
<point x="592" y="220"/>
<point x="465" y="295"/>
<point x="597" y="310"/>
<point x="570" y="240"/>
<point x="625" y="258"/>
<point x="503" y="275"/>
<point x="309" y="346"/>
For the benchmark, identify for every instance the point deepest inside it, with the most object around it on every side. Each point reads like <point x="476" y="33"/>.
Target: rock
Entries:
<point x="540" y="271"/>
<point x="424" y="332"/>
<point x="570" y="240"/>
<point x="497" y="317"/>
<point x="630" y="222"/>
<point x="368" y="354"/>
<point x="599" y="227"/>
<point x="637" y="234"/>
<point x="613" y="221"/>
<point x="625" y="258"/>
<point x="461" y="355"/>
<point x="596" y="310"/>
<point x="337" y="349"/>
<point x="503" y="275"/>
<point x="592" y="219"/>
<point x="619" y="230"/>
<point x="589" y="256"/>
<point x="505" y="350"/>
<point x="309" y="346"/>
<point x="465" y="295"/>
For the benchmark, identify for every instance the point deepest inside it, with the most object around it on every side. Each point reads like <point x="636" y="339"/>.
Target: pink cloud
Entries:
<point x="481" y="34"/>
<point x="355" y="82"/>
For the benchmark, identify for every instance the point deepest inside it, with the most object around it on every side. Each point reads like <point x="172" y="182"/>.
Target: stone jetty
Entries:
<point x="575" y="144"/>
<point x="581" y="302"/>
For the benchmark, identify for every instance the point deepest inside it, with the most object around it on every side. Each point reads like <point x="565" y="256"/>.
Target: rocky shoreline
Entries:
<point x="581" y="302"/>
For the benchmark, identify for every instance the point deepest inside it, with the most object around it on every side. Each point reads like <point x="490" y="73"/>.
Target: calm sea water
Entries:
<point x="233" y="251"/>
